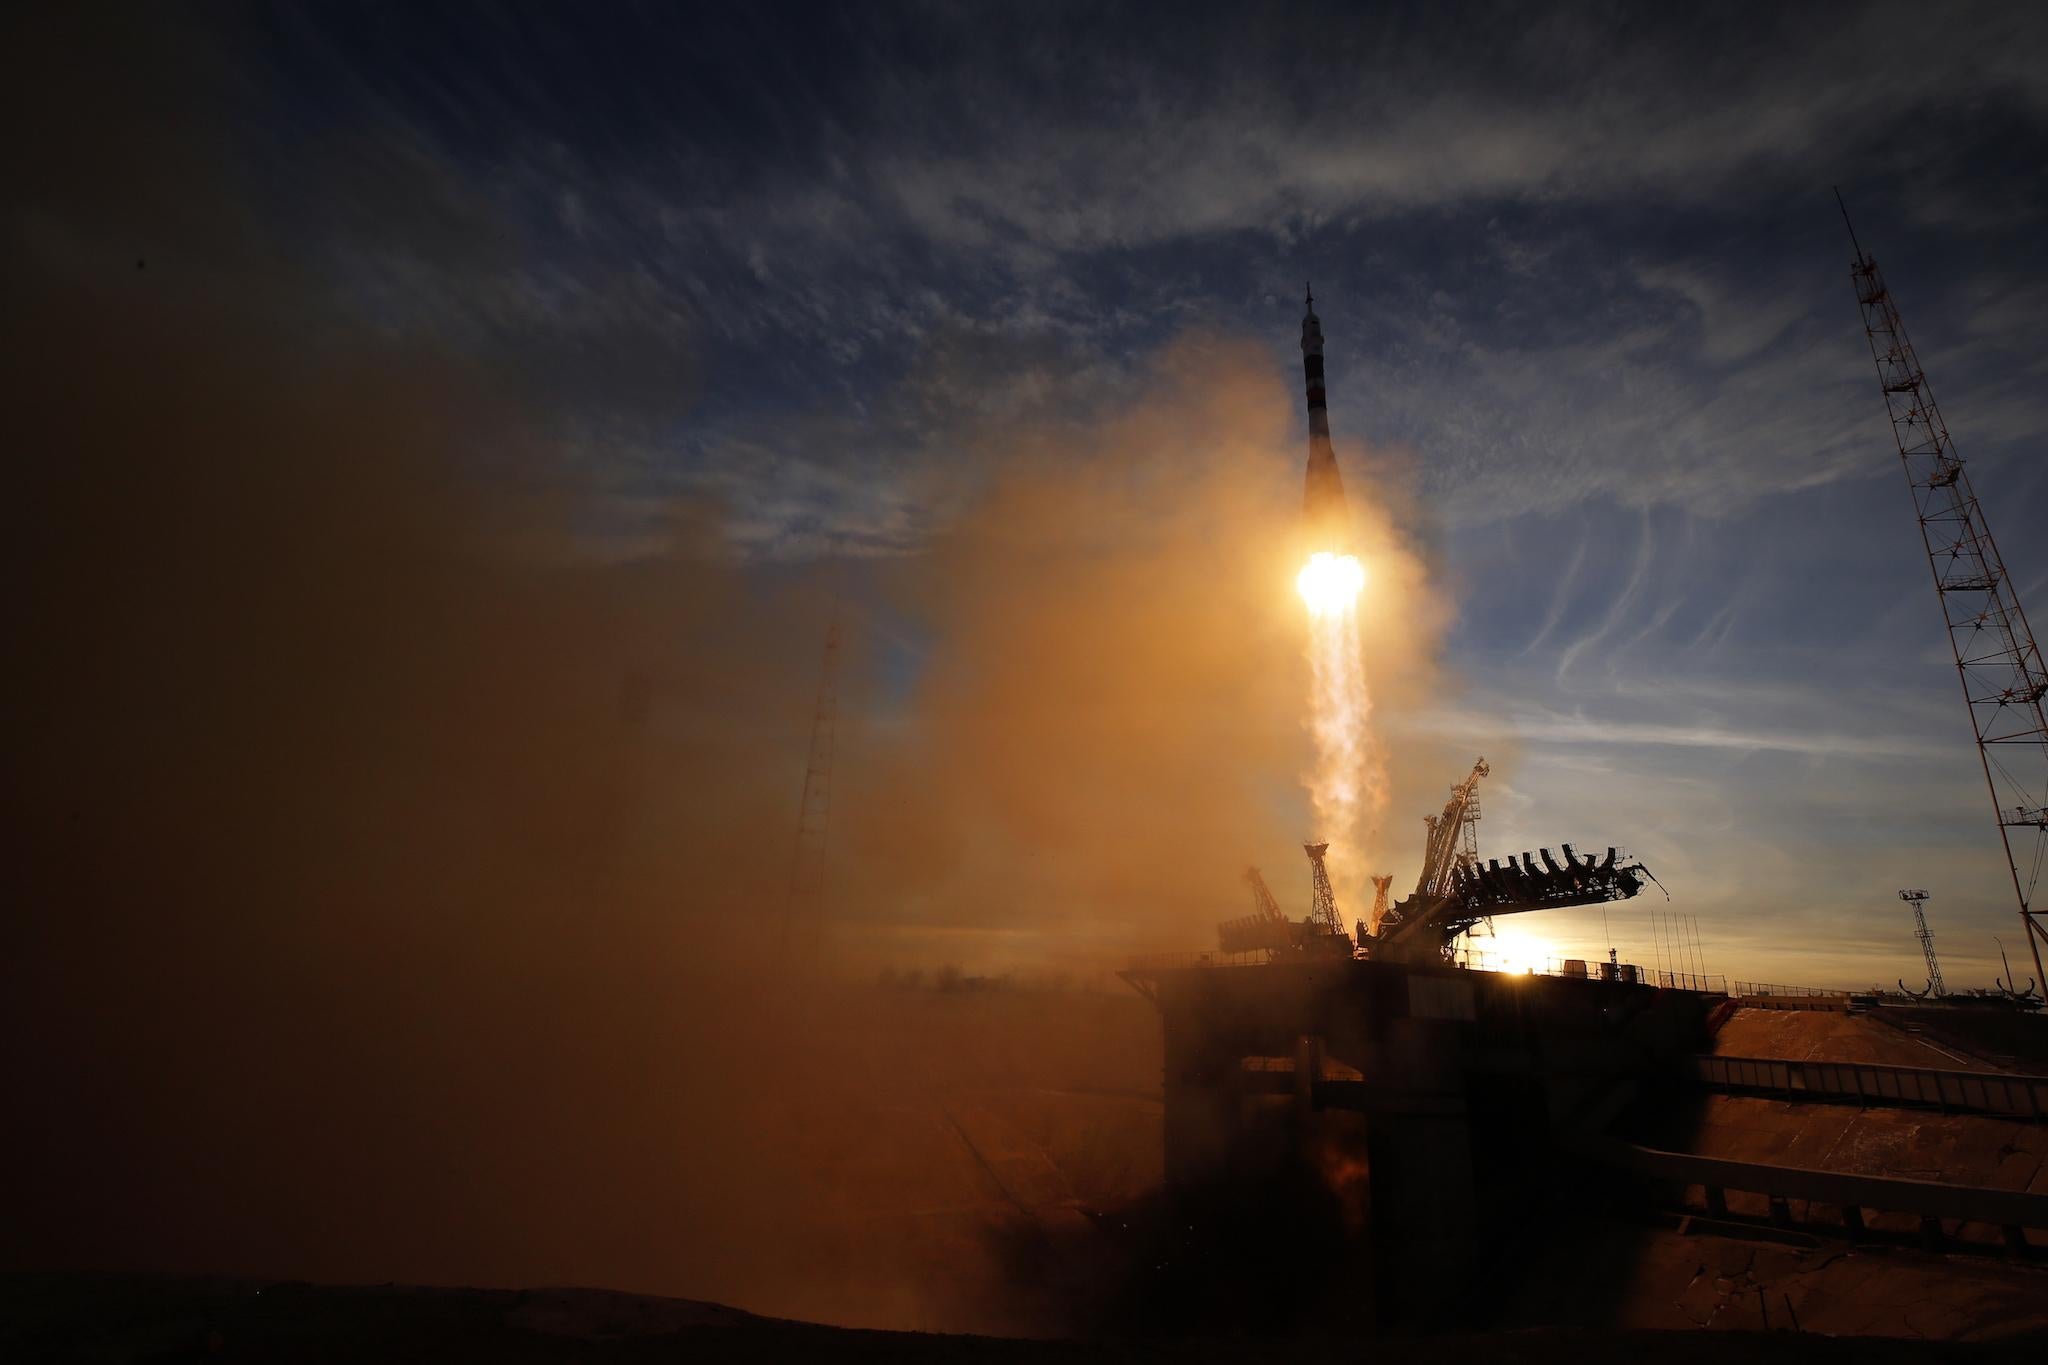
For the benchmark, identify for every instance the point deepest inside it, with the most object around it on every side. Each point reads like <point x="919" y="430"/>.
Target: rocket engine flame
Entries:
<point x="1330" y="583"/>
<point x="1348" y="781"/>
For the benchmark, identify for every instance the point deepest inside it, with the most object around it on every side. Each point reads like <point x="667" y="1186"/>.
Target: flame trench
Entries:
<point x="1347" y="784"/>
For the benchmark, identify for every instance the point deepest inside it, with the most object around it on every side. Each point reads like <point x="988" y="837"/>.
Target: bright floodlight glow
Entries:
<point x="1330" y="583"/>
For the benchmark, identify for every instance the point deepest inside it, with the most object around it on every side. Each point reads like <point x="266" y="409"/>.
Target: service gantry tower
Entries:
<point x="2004" y="680"/>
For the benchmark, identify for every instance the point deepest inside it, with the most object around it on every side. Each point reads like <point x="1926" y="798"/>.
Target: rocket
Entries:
<point x="1324" y="513"/>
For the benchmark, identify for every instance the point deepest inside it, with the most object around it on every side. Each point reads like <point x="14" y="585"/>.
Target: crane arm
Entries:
<point x="1264" y="906"/>
<point x="1440" y="850"/>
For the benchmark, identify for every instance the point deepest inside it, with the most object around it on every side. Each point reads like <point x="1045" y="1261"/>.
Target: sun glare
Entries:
<point x="1510" y="948"/>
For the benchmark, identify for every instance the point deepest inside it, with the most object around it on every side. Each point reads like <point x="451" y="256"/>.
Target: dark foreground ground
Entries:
<point x="969" y="1165"/>
<point x="165" y="1318"/>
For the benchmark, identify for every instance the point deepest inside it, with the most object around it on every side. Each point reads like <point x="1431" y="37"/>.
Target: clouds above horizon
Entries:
<point x="1584" y="288"/>
<point x="1571" y="255"/>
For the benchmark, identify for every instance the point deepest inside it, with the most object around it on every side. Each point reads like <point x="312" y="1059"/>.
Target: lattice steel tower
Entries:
<point x="2003" y="677"/>
<point x="805" y="901"/>
<point x="1918" y="899"/>
<point x="1322" y="909"/>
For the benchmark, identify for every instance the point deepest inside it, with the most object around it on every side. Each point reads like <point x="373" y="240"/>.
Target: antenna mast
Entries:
<point x="807" y="884"/>
<point x="2003" y="676"/>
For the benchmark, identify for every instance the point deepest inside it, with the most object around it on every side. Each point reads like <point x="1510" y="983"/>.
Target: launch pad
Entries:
<point x="1450" y="1093"/>
<point x="1442" y="1108"/>
<point x="1434" y="1102"/>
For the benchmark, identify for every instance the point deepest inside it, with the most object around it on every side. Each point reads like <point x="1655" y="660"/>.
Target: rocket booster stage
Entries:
<point x="1323" y="508"/>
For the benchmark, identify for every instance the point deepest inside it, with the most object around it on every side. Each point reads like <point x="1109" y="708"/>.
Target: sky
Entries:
<point x="822" y="280"/>
<point x="1580" y="270"/>
<point x="439" y="434"/>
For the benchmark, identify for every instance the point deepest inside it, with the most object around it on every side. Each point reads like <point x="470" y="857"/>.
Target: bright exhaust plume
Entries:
<point x="1330" y="584"/>
<point x="1348" y="780"/>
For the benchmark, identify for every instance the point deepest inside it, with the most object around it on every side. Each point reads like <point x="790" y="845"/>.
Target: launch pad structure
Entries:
<point x="1454" y="1094"/>
<point x="1446" y="1092"/>
<point x="1438" y="1099"/>
<point x="1439" y="1103"/>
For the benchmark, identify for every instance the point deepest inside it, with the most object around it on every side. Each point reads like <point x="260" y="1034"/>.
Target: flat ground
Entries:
<point x="962" y="1162"/>
<point x="1965" y="1149"/>
<point x="121" y="1319"/>
<point x="1838" y="1036"/>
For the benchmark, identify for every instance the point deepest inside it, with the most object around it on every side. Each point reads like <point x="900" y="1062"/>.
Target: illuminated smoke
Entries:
<point x="1348" y="781"/>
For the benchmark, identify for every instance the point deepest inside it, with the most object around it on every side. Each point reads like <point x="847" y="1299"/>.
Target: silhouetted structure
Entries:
<point x="2003" y="677"/>
<point x="1454" y="892"/>
<point x="1323" y="506"/>
<point x="1918" y="899"/>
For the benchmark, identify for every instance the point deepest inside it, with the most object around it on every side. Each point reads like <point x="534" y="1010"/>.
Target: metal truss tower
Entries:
<point x="1918" y="899"/>
<point x="2003" y="677"/>
<point x="1322" y="912"/>
<point x="805" y="903"/>
<point x="1379" y="901"/>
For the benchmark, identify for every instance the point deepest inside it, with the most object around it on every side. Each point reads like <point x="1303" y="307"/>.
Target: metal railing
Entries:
<point x="1167" y="962"/>
<point x="2012" y="1210"/>
<point x="1767" y="988"/>
<point x="1978" y="1092"/>
<point x="1711" y="984"/>
<point x="1594" y="970"/>
<point x="1473" y="959"/>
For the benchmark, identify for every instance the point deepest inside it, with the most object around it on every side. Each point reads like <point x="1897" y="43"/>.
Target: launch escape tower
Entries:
<point x="2003" y="678"/>
<point x="804" y="904"/>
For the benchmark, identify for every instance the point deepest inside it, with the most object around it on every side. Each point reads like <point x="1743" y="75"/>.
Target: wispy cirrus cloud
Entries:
<point x="1581" y="277"/>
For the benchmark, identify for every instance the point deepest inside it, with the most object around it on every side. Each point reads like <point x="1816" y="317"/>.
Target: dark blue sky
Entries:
<point x="1579" y="269"/>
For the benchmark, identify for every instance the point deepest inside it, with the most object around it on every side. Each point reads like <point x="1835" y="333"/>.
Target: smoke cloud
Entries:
<point x="389" y="872"/>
